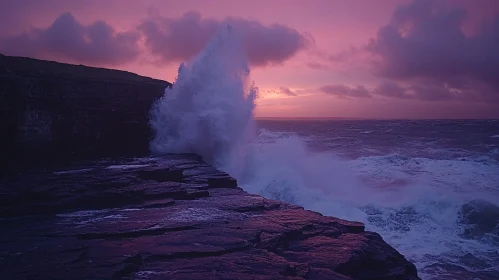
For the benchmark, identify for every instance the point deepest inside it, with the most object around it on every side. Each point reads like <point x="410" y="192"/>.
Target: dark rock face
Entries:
<point x="174" y="218"/>
<point x="52" y="112"/>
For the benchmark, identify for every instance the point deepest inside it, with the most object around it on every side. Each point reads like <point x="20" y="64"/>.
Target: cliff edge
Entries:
<point x="174" y="218"/>
<point x="51" y="112"/>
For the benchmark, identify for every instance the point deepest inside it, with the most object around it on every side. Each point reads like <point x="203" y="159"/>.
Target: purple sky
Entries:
<point x="317" y="58"/>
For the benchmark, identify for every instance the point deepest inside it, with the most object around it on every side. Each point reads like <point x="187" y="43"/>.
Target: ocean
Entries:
<point x="408" y="180"/>
<point x="430" y="188"/>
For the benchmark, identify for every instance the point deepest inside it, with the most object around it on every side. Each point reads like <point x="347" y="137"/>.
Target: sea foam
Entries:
<point x="209" y="111"/>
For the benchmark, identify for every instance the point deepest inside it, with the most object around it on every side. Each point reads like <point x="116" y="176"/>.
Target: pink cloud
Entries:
<point x="317" y="66"/>
<point x="393" y="90"/>
<point x="424" y="45"/>
<point x="424" y="53"/>
<point x="284" y="91"/>
<point x="343" y="91"/>
<point x="178" y="39"/>
<point x="426" y="92"/>
<point x="66" y="38"/>
<point x="287" y="91"/>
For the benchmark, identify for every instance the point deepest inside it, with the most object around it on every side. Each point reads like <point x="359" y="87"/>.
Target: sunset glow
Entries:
<point x="318" y="58"/>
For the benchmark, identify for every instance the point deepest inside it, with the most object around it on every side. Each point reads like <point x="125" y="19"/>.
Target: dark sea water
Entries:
<point x="414" y="182"/>
<point x="433" y="139"/>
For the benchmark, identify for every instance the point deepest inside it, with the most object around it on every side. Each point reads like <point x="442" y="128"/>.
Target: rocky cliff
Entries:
<point x="52" y="111"/>
<point x="149" y="218"/>
<point x="174" y="218"/>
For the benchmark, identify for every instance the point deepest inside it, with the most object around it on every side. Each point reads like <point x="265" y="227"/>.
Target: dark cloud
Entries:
<point x="431" y="92"/>
<point x="389" y="89"/>
<point x="424" y="46"/>
<point x="426" y="92"/>
<point x="287" y="91"/>
<point x="97" y="43"/>
<point x="392" y="90"/>
<point x="345" y="91"/>
<point x="178" y="39"/>
<point x="317" y="66"/>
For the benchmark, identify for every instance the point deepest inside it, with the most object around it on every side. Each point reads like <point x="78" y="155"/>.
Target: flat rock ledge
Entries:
<point x="174" y="218"/>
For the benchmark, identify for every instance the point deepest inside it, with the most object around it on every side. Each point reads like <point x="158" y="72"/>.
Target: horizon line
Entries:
<point x="360" y="119"/>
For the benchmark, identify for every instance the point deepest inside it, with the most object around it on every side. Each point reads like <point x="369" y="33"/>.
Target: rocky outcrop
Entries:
<point x="174" y="218"/>
<point x="148" y="218"/>
<point x="51" y="111"/>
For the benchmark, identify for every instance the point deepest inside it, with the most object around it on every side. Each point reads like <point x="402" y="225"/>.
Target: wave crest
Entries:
<point x="209" y="109"/>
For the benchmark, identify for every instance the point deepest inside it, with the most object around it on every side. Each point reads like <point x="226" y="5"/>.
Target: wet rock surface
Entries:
<point x="174" y="218"/>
